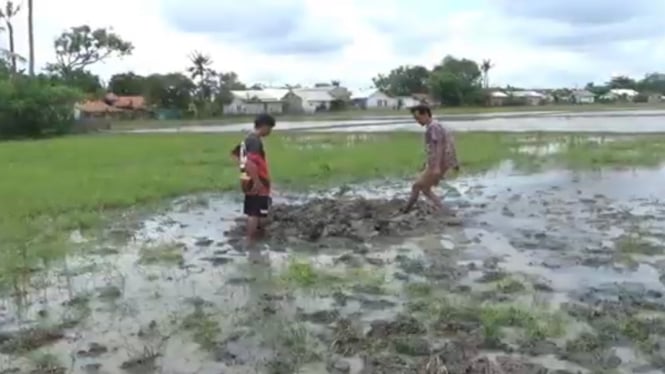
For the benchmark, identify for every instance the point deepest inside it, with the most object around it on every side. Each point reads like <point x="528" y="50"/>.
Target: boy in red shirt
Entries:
<point x="255" y="175"/>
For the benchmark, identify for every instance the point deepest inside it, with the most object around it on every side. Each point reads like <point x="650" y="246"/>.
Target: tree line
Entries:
<point x="461" y="81"/>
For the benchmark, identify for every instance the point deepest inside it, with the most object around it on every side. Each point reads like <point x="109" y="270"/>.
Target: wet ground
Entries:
<point x="642" y="121"/>
<point x="556" y="272"/>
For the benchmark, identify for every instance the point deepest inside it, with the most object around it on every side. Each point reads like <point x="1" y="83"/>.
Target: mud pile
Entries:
<point x="356" y="220"/>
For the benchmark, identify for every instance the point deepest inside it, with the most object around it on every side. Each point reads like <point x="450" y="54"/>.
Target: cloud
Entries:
<point x="532" y="43"/>
<point x="270" y="26"/>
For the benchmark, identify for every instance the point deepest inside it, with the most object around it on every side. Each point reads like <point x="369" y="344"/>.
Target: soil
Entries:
<point x="551" y="273"/>
<point x="343" y="222"/>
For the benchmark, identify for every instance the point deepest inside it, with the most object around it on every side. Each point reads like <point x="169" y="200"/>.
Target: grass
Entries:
<point x="51" y="187"/>
<point x="357" y="113"/>
<point x="302" y="274"/>
<point x="166" y="254"/>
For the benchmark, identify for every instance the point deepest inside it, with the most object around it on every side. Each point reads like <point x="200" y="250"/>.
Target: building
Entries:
<point x="308" y="100"/>
<point x="620" y="94"/>
<point x="407" y="102"/>
<point x="528" y="97"/>
<point x="497" y="98"/>
<point x="256" y="102"/>
<point x="374" y="98"/>
<point x="583" y="97"/>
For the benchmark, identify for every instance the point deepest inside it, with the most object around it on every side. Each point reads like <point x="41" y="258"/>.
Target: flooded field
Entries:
<point x="548" y="272"/>
<point x="633" y="121"/>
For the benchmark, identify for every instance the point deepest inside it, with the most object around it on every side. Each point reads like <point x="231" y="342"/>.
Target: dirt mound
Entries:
<point x="359" y="220"/>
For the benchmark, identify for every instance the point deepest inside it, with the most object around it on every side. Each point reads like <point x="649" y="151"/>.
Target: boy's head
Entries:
<point x="263" y="124"/>
<point x="422" y="114"/>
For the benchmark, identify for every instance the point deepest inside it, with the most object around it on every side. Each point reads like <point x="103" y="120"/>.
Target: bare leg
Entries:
<point x="431" y="196"/>
<point x="415" y="193"/>
<point x="252" y="231"/>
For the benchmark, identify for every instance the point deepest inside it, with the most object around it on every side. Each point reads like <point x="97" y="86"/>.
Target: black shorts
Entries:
<point x="257" y="206"/>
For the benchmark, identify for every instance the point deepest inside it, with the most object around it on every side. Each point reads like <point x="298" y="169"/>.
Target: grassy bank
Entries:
<point x="51" y="187"/>
<point x="359" y="114"/>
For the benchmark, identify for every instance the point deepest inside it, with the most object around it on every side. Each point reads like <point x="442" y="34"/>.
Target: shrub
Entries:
<point x="31" y="107"/>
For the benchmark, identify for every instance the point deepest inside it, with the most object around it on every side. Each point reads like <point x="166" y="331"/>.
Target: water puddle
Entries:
<point x="180" y="295"/>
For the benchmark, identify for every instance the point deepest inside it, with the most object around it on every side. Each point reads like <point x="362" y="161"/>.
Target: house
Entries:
<point x="528" y="97"/>
<point x="374" y="98"/>
<point x="255" y="102"/>
<point x="583" y="97"/>
<point x="620" y="94"/>
<point x="95" y="109"/>
<point x="655" y="98"/>
<point x="407" y="102"/>
<point x="308" y="100"/>
<point x="497" y="98"/>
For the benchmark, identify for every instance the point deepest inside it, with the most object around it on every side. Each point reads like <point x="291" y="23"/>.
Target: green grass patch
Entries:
<point x="51" y="187"/>
<point x="302" y="274"/>
<point x="204" y="328"/>
<point x="165" y="254"/>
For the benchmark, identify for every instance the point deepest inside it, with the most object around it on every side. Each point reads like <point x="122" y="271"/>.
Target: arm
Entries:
<point x="253" y="172"/>
<point x="436" y="150"/>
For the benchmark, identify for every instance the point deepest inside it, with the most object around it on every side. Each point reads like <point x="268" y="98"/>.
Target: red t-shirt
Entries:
<point x="251" y="149"/>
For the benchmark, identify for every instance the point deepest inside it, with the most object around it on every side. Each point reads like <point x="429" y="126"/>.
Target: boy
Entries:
<point x="441" y="157"/>
<point x="255" y="176"/>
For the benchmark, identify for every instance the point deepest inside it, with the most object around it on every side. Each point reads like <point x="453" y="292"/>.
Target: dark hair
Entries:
<point x="421" y="109"/>
<point x="264" y="120"/>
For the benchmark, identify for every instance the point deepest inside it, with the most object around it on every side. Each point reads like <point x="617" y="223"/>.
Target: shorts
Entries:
<point x="257" y="206"/>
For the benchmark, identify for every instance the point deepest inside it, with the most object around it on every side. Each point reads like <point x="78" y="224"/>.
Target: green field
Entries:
<point x="51" y="187"/>
<point x="356" y="114"/>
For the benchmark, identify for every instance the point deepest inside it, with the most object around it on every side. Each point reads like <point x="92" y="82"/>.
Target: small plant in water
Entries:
<point x="205" y="330"/>
<point x="165" y="254"/>
<point x="510" y="285"/>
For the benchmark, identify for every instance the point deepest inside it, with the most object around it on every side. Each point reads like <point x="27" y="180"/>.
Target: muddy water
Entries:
<point x="638" y="121"/>
<point x="178" y="297"/>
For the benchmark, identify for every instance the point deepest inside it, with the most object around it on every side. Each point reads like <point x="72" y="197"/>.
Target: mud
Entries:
<point x="554" y="272"/>
<point x="345" y="222"/>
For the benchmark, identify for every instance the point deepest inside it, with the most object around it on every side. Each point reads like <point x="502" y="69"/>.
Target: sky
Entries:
<point x="532" y="43"/>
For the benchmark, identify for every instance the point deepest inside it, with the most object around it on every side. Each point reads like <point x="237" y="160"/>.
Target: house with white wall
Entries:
<point x="256" y="102"/>
<point x="374" y="98"/>
<point x="583" y="97"/>
<point x="308" y="100"/>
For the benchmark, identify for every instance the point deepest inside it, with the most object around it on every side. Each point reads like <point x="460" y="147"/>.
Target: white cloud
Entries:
<point x="364" y="37"/>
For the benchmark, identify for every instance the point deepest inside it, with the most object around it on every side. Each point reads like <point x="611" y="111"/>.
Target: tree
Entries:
<point x="85" y="81"/>
<point x="456" y="81"/>
<point x="622" y="82"/>
<point x="7" y="14"/>
<point x="31" y="39"/>
<point x="403" y="81"/>
<point x="201" y="72"/>
<point x="81" y="46"/>
<point x="653" y="83"/>
<point x="485" y="67"/>
<point x="128" y="84"/>
<point x="227" y="83"/>
<point x="170" y="91"/>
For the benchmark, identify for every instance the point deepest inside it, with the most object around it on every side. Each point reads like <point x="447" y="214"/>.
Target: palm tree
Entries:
<point x="202" y="72"/>
<point x="485" y="67"/>
<point x="7" y="14"/>
<point x="200" y="66"/>
<point x="31" y="39"/>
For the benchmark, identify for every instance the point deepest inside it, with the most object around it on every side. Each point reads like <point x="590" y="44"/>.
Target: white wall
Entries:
<point x="585" y="99"/>
<point x="239" y="106"/>
<point x="310" y="106"/>
<point x="381" y="100"/>
<point x="408" y="102"/>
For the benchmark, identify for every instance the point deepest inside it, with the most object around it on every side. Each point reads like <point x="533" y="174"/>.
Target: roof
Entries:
<point x="363" y="94"/>
<point x="96" y="106"/>
<point x="498" y="94"/>
<point x="527" y="94"/>
<point x="309" y="94"/>
<point x="131" y="102"/>
<point x="623" y="92"/>
<point x="583" y="93"/>
<point x="268" y="95"/>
